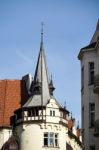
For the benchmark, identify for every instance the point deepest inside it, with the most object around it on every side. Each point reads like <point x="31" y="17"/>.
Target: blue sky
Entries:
<point x="69" y="26"/>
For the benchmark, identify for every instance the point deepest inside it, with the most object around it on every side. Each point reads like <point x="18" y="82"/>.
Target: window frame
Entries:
<point x="51" y="139"/>
<point x="91" y="115"/>
<point x="52" y="113"/>
<point x="91" y="72"/>
<point x="82" y="77"/>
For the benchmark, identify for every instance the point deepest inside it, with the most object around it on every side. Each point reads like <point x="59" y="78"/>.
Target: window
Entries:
<point x="83" y="117"/>
<point x="82" y="77"/>
<point x="36" y="112"/>
<point x="91" y="114"/>
<point x="33" y="112"/>
<point x="52" y="113"/>
<point x="29" y="113"/>
<point x="45" y="139"/>
<point x="91" y="73"/>
<point x="92" y="147"/>
<point x="56" y="139"/>
<point x="51" y="139"/>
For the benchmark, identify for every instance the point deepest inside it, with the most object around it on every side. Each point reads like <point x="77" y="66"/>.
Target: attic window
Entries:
<point x="52" y="113"/>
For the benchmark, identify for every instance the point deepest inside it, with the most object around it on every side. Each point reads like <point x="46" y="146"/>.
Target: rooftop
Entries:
<point x="13" y="94"/>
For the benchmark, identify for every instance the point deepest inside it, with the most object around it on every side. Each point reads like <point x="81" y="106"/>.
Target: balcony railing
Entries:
<point x="96" y="134"/>
<point x="96" y="84"/>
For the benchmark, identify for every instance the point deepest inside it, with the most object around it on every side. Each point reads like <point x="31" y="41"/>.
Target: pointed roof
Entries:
<point x="96" y="34"/>
<point x="40" y="87"/>
<point x="51" y="86"/>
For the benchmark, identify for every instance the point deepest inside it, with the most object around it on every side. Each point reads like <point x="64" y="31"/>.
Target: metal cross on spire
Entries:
<point x="42" y="25"/>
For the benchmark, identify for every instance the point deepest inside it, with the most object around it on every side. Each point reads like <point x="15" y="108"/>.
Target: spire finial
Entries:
<point x="71" y="115"/>
<point x="42" y="24"/>
<point x="65" y="104"/>
<point x="51" y="78"/>
<point x="78" y="125"/>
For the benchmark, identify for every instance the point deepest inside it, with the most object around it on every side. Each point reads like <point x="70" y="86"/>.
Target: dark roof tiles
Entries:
<point x="92" y="45"/>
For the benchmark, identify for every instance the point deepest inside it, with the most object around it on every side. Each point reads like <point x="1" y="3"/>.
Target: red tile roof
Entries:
<point x="13" y="94"/>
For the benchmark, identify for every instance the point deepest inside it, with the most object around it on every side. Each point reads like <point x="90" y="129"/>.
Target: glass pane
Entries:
<point x="50" y="112"/>
<point x="45" y="134"/>
<point x="56" y="135"/>
<point x="92" y="119"/>
<point x="36" y="112"/>
<point x="53" y="113"/>
<point x="51" y="134"/>
<point x="91" y="65"/>
<point x="45" y="141"/>
<point x="92" y="107"/>
<point x="56" y="143"/>
<point x="51" y="142"/>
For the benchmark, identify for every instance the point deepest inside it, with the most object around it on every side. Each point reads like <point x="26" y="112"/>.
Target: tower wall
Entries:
<point x="31" y="136"/>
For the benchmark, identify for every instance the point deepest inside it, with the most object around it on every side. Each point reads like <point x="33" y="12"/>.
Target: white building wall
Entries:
<point x="31" y="135"/>
<point x="4" y="136"/>
<point x="97" y="96"/>
<point x="88" y="97"/>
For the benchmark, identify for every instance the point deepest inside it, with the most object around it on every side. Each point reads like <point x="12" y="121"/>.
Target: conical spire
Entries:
<point x="96" y="34"/>
<point x="51" y="87"/>
<point x="41" y="60"/>
<point x="41" y="89"/>
<point x="40" y="85"/>
<point x="41" y="73"/>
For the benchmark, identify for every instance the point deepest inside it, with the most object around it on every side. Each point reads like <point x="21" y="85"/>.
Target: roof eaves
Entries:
<point x="97" y="44"/>
<point x="90" y="47"/>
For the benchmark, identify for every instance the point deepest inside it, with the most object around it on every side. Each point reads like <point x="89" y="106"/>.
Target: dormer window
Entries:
<point x="52" y="113"/>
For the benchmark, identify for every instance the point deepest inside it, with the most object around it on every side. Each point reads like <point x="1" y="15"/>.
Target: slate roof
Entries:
<point x="89" y="47"/>
<point x="41" y="81"/>
<point x="96" y="34"/>
<point x="92" y="45"/>
<point x="13" y="94"/>
<point x="93" y="42"/>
